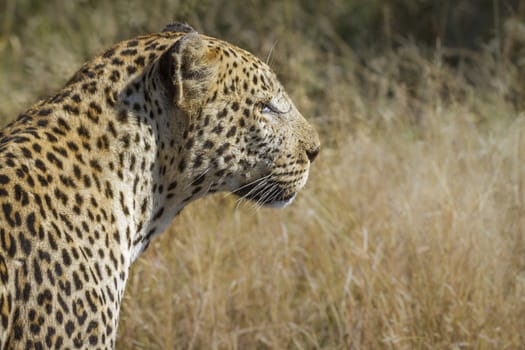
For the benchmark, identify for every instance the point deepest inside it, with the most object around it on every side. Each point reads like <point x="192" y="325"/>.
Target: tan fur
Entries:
<point x="90" y="175"/>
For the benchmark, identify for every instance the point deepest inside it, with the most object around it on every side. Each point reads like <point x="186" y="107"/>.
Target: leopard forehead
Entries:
<point x="89" y="175"/>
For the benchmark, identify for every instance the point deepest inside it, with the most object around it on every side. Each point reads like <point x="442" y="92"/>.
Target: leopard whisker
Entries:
<point x="261" y="179"/>
<point x="245" y="197"/>
<point x="268" y="195"/>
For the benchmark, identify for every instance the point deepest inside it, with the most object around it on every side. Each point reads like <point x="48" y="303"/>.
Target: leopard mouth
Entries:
<point x="270" y="194"/>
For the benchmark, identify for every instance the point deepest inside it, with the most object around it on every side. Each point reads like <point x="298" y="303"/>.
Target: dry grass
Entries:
<point x="396" y="243"/>
<point x="409" y="235"/>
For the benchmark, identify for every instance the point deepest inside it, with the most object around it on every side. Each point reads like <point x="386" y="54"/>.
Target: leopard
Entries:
<point x="90" y="175"/>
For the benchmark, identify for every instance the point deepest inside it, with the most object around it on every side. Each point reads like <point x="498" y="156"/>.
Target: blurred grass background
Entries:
<point x="411" y="231"/>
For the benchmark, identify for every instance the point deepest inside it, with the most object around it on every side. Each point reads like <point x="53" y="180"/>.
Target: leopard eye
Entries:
<point x="269" y="108"/>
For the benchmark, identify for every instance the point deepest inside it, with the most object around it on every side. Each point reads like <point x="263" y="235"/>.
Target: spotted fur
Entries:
<point x="91" y="174"/>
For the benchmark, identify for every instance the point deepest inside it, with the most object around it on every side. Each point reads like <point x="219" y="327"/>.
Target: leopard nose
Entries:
<point x="312" y="154"/>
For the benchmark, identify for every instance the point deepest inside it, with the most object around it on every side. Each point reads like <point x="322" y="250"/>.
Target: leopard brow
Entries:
<point x="277" y="109"/>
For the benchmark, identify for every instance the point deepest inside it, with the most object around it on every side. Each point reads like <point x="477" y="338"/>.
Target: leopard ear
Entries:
<point x="188" y="71"/>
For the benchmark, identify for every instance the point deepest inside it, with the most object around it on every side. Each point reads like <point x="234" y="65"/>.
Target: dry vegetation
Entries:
<point x="411" y="231"/>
